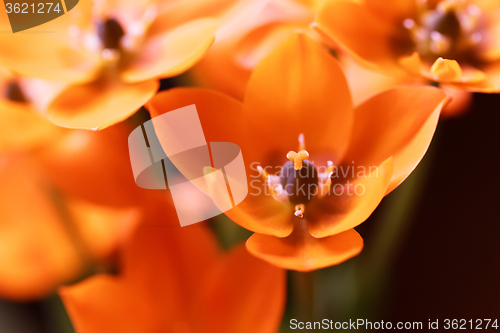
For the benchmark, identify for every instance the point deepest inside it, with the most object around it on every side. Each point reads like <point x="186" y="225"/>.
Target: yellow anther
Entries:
<point x="299" y="210"/>
<point x="297" y="158"/>
<point x="291" y="155"/>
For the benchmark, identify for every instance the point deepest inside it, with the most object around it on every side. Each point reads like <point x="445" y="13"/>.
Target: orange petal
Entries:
<point x="102" y="228"/>
<point x="172" y="52"/>
<point x="373" y="82"/>
<point x="399" y="122"/>
<point x="411" y="63"/>
<point x="35" y="250"/>
<point x="222" y="121"/>
<point x="395" y="10"/>
<point x="94" y="167"/>
<point x="103" y="302"/>
<point x="177" y="12"/>
<point x="99" y="104"/>
<point x="244" y="295"/>
<point x="371" y="43"/>
<point x="22" y="128"/>
<point x="298" y="88"/>
<point x="161" y="271"/>
<point x="491" y="83"/>
<point x="349" y="206"/>
<point x="218" y="70"/>
<point x="53" y="47"/>
<point x="302" y="252"/>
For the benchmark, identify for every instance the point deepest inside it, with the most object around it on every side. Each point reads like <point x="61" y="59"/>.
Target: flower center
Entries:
<point x="300" y="184"/>
<point x="110" y="33"/>
<point x="299" y="180"/>
<point x="449" y="30"/>
<point x="14" y="93"/>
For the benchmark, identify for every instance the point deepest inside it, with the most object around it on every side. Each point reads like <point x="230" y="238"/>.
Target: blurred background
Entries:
<point x="431" y="247"/>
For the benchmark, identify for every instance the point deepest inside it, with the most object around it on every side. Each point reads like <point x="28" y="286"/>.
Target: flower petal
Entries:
<point x="411" y="63"/>
<point x="298" y="88"/>
<point x="302" y="252"/>
<point x="491" y="84"/>
<point x="94" y="166"/>
<point x="244" y="295"/>
<point x="35" y="250"/>
<point x="171" y="52"/>
<point x="222" y="121"/>
<point x="157" y="286"/>
<point x="103" y="302"/>
<point x="52" y="46"/>
<point x="99" y="104"/>
<point x="399" y="122"/>
<point x="102" y="228"/>
<point x="372" y="43"/>
<point x="350" y="205"/>
<point x="22" y="128"/>
<point x="396" y="10"/>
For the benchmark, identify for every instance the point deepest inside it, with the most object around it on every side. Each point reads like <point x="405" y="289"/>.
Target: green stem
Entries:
<point x="303" y="291"/>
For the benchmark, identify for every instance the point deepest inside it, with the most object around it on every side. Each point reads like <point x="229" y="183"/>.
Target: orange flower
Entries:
<point x="112" y="54"/>
<point x="65" y="205"/>
<point x="248" y="32"/>
<point x="452" y="42"/>
<point x="21" y="126"/>
<point x="299" y="91"/>
<point x="175" y="280"/>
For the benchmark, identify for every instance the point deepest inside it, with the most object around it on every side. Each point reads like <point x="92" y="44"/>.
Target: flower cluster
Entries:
<point x="332" y="102"/>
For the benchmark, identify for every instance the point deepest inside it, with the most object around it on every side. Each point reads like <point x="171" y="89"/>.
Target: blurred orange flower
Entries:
<point x="175" y="280"/>
<point x="250" y="30"/>
<point x="453" y="42"/>
<point x="21" y="126"/>
<point x="247" y="32"/>
<point x="67" y="201"/>
<point x="112" y="55"/>
<point x="299" y="91"/>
